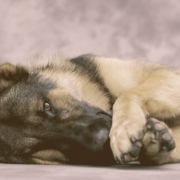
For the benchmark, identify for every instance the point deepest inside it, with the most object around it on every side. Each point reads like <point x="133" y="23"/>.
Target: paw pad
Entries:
<point x="158" y="142"/>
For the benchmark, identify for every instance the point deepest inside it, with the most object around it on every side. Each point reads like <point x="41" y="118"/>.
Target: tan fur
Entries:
<point x="142" y="90"/>
<point x="76" y="85"/>
<point x="175" y="154"/>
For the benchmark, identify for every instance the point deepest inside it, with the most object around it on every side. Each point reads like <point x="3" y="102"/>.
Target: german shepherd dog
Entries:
<point x="89" y="110"/>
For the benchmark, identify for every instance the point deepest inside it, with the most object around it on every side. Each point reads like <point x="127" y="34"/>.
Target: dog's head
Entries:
<point x="42" y="123"/>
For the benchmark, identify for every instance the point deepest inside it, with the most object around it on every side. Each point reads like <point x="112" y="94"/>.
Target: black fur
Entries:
<point x="86" y="67"/>
<point x="82" y="137"/>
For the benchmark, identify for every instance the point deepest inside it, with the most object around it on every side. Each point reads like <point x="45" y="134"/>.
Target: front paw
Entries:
<point x="126" y="141"/>
<point x="158" y="142"/>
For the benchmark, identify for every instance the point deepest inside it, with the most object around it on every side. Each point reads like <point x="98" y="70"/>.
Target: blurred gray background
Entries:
<point x="137" y="29"/>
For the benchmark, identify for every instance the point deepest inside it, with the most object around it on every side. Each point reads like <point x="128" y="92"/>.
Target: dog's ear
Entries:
<point x="10" y="75"/>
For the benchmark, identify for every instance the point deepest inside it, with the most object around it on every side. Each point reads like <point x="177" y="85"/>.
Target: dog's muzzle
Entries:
<point x="87" y="139"/>
<point x="78" y="140"/>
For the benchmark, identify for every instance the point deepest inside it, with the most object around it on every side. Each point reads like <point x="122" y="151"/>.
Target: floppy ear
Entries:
<point x="10" y="75"/>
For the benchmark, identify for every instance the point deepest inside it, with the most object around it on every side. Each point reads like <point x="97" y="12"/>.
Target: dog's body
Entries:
<point x="61" y="112"/>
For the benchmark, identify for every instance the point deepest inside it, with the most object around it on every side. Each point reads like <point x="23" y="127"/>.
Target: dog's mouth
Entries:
<point x="79" y="156"/>
<point x="49" y="156"/>
<point x="86" y="142"/>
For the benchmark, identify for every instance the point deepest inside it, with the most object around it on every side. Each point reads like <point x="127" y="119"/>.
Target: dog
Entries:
<point x="89" y="110"/>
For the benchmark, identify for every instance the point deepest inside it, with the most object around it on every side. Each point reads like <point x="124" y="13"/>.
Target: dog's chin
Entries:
<point x="101" y="157"/>
<point x="55" y="157"/>
<point x="49" y="156"/>
<point x="92" y="147"/>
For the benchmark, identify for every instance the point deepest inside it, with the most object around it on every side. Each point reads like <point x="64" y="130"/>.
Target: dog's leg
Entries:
<point x="158" y="97"/>
<point x="158" y="144"/>
<point x="127" y="129"/>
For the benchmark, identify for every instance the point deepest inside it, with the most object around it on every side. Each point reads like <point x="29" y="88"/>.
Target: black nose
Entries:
<point x="89" y="142"/>
<point x="92" y="131"/>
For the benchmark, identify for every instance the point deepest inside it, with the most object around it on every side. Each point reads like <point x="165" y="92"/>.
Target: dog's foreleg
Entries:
<point x="127" y="128"/>
<point x="158" y="97"/>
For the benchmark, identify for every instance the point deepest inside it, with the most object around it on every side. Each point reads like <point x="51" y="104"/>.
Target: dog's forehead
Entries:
<point x="25" y="91"/>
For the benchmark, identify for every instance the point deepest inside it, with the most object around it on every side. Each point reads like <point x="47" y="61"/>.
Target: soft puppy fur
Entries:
<point x="89" y="110"/>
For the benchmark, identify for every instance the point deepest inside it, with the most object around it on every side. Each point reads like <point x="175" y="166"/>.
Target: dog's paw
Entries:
<point x="158" y="142"/>
<point x="126" y="141"/>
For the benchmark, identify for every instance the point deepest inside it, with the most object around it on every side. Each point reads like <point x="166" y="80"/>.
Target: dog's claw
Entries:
<point x="132" y="155"/>
<point x="133" y="139"/>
